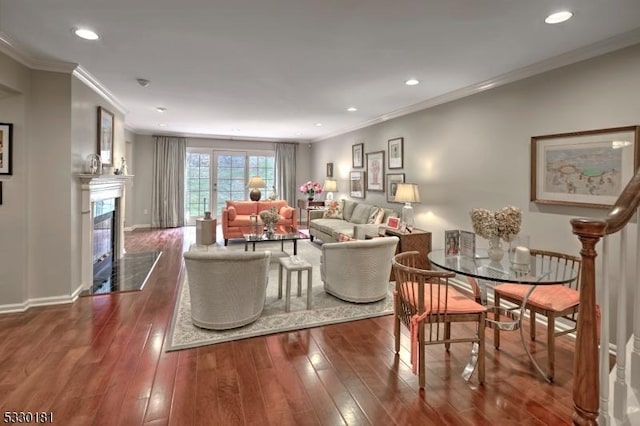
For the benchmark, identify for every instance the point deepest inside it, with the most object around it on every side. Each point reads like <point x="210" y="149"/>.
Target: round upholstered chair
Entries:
<point x="227" y="289"/>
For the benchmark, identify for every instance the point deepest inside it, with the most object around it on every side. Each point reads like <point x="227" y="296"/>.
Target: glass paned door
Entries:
<point x="198" y="185"/>
<point x="231" y="172"/>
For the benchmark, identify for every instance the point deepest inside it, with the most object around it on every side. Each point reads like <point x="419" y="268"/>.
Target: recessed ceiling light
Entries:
<point x="556" y="18"/>
<point x="352" y="109"/>
<point x="162" y="124"/>
<point x="411" y="82"/>
<point x="318" y="124"/>
<point x="161" y="109"/>
<point x="86" y="34"/>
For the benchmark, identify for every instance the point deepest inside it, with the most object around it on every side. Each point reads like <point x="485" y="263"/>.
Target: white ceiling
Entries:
<point x="273" y="68"/>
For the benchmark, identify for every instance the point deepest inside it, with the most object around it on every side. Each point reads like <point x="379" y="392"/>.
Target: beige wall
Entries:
<point x="13" y="219"/>
<point x="143" y="163"/>
<point x="474" y="152"/>
<point x="54" y="117"/>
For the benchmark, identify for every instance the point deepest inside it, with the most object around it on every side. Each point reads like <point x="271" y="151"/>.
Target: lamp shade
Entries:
<point x="256" y="182"/>
<point x="330" y="185"/>
<point x="407" y="193"/>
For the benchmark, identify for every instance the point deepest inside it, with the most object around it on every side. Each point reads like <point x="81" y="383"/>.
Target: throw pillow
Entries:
<point x="344" y="237"/>
<point x="287" y="212"/>
<point x="376" y="216"/>
<point x="333" y="211"/>
<point x="231" y="213"/>
<point x="361" y="213"/>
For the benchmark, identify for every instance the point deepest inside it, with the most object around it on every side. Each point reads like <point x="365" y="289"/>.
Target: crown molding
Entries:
<point x="94" y="84"/>
<point x="212" y="136"/>
<point x="600" y="48"/>
<point x="12" y="49"/>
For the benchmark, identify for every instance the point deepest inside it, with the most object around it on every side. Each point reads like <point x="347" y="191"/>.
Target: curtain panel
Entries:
<point x="167" y="200"/>
<point x="286" y="171"/>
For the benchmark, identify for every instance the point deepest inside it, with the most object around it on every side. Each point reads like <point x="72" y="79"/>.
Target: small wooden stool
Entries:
<point x="290" y="266"/>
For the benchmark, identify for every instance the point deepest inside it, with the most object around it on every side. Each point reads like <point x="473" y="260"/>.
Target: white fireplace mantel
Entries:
<point x="96" y="188"/>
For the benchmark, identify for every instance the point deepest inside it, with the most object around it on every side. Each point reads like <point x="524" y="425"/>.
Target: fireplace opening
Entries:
<point x="103" y="245"/>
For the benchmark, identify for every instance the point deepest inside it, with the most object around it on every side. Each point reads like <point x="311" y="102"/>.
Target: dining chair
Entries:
<point x="426" y="303"/>
<point x="552" y="301"/>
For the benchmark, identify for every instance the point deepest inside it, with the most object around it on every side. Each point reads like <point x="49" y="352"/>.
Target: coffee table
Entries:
<point x="281" y="233"/>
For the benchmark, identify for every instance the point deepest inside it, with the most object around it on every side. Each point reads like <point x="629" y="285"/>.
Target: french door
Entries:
<point x="213" y="177"/>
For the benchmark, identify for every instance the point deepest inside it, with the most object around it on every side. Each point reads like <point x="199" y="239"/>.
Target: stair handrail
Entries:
<point x="586" y="384"/>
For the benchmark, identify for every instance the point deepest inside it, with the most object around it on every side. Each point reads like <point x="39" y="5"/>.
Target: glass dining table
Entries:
<point x="487" y="272"/>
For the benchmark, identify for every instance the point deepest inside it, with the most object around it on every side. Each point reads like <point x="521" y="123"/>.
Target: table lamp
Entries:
<point x="330" y="186"/>
<point x="407" y="193"/>
<point x="254" y="183"/>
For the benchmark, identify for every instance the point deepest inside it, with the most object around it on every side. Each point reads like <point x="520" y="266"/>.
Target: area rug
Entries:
<point x="327" y="309"/>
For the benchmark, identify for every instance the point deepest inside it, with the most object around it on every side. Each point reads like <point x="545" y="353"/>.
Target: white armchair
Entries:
<point x="358" y="271"/>
<point x="227" y="289"/>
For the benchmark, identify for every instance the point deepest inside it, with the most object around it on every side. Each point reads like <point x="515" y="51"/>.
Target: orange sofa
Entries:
<point x="235" y="216"/>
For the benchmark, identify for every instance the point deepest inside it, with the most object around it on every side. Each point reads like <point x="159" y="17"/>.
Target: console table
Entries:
<point x="308" y="206"/>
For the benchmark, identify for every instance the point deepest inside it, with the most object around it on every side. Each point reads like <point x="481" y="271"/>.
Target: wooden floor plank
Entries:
<point x="101" y="361"/>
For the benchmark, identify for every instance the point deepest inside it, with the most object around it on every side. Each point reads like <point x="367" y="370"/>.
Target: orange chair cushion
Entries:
<point x="243" y="207"/>
<point x="557" y="298"/>
<point x="457" y="303"/>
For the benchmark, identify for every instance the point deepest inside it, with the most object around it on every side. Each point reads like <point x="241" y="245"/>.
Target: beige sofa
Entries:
<point x="353" y="224"/>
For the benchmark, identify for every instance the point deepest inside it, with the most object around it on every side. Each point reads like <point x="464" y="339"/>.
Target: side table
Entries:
<point x="416" y="240"/>
<point x="294" y="264"/>
<point x="308" y="206"/>
<point x="206" y="231"/>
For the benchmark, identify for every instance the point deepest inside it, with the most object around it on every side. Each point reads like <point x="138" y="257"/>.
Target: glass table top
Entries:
<point x="281" y="233"/>
<point x="540" y="271"/>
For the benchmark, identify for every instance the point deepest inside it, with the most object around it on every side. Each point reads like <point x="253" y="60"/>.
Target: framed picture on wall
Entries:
<point x="588" y="168"/>
<point x="330" y="170"/>
<point x="356" y="155"/>
<point x="6" y="148"/>
<point x="105" y="136"/>
<point x="396" y="153"/>
<point x="357" y="184"/>
<point x="375" y="169"/>
<point x="393" y="179"/>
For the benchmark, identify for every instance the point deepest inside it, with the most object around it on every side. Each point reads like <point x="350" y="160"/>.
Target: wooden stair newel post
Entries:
<point x="586" y="381"/>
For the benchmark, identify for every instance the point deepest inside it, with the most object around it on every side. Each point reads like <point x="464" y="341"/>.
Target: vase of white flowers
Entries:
<point x="498" y="226"/>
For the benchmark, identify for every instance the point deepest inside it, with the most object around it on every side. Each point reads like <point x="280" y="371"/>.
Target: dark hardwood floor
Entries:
<point x="101" y="361"/>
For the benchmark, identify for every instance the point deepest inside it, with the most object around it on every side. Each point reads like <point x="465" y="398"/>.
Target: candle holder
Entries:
<point x="519" y="253"/>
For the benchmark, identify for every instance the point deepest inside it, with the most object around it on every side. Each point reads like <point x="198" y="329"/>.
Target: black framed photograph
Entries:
<point x="396" y="153"/>
<point x="357" y="155"/>
<point x="375" y="170"/>
<point x="105" y="136"/>
<point x="357" y="184"/>
<point x="393" y="179"/>
<point x="586" y="168"/>
<point x="330" y="170"/>
<point x="6" y="148"/>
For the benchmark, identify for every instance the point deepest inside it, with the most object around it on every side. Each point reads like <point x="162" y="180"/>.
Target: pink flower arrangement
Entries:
<point x="311" y="188"/>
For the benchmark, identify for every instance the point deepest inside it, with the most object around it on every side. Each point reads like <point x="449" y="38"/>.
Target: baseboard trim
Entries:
<point x="40" y="301"/>
<point x="139" y="226"/>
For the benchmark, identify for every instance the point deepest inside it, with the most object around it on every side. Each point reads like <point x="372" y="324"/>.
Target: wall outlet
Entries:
<point x="145" y="211"/>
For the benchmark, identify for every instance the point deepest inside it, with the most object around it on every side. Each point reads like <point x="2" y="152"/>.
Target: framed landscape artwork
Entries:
<point x="356" y="155"/>
<point x="396" y="153"/>
<point x="105" y="136"/>
<point x="6" y="148"/>
<point x="357" y="184"/>
<point x="589" y="168"/>
<point x="375" y="169"/>
<point x="393" y="179"/>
